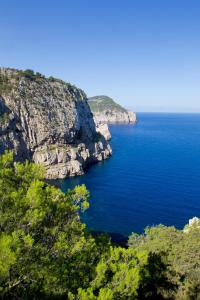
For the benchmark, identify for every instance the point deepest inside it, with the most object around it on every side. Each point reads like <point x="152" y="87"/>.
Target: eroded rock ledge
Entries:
<point x="49" y="121"/>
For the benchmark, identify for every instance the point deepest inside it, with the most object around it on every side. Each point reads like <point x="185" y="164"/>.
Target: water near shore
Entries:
<point x="153" y="176"/>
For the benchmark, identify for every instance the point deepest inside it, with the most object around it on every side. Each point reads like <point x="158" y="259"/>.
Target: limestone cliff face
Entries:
<point x="113" y="116"/>
<point x="49" y="121"/>
<point x="106" y="110"/>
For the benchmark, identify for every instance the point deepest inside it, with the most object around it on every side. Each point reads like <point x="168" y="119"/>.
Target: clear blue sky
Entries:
<point x="145" y="54"/>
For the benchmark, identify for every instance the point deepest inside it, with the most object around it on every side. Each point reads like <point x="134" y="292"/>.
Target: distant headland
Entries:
<point x="106" y="110"/>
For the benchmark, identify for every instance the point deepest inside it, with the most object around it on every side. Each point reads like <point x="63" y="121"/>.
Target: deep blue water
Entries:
<point x="153" y="176"/>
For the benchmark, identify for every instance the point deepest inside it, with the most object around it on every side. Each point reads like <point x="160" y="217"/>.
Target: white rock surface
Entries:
<point x="194" y="223"/>
<point x="112" y="117"/>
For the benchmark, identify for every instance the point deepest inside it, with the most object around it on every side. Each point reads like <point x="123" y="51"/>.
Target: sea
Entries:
<point x="153" y="176"/>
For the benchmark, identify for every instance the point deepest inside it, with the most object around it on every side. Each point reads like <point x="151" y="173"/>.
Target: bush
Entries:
<point x="181" y="249"/>
<point x="47" y="253"/>
<point x="5" y="86"/>
<point x="47" y="250"/>
<point x="4" y="118"/>
<point x="30" y="74"/>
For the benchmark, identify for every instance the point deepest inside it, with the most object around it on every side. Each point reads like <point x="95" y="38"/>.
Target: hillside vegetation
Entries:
<point x="46" y="252"/>
<point x="101" y="103"/>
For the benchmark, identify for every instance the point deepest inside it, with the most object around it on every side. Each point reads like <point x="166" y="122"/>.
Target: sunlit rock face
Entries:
<point x="194" y="223"/>
<point x="49" y="121"/>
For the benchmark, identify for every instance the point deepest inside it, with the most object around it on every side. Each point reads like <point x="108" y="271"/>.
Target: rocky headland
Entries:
<point x="106" y="110"/>
<point x="49" y="121"/>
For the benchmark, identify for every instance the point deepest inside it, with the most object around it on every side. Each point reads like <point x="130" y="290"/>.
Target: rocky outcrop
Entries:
<point x="49" y="121"/>
<point x="193" y="224"/>
<point x="106" y="110"/>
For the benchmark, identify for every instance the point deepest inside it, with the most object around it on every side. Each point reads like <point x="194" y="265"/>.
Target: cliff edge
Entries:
<point x="48" y="121"/>
<point x="106" y="110"/>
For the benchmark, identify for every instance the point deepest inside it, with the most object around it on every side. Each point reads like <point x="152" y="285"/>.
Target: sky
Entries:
<point x="145" y="54"/>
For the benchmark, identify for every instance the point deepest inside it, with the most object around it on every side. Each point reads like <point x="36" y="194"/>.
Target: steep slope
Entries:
<point x="106" y="110"/>
<point x="48" y="121"/>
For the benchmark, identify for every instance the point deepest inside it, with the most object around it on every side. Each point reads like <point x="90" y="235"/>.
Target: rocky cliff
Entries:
<point x="106" y="110"/>
<point x="49" y="121"/>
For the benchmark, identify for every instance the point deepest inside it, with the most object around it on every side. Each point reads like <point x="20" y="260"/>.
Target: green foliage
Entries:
<point x="39" y="75"/>
<point x="11" y="81"/>
<point x="47" y="253"/>
<point x="4" y="118"/>
<point x="5" y="86"/>
<point x="68" y="85"/>
<point x="127" y="274"/>
<point x="45" y="249"/>
<point x="51" y="78"/>
<point x="7" y="255"/>
<point x="30" y="74"/>
<point x="102" y="103"/>
<point x="181" y="249"/>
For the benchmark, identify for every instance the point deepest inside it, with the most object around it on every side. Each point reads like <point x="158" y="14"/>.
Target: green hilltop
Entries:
<point x="102" y="103"/>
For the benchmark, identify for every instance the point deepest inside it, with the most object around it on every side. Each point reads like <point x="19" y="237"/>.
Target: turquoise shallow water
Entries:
<point x="153" y="176"/>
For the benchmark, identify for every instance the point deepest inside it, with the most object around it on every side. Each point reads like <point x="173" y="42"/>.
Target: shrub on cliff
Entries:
<point x="181" y="249"/>
<point x="30" y="74"/>
<point x="5" y="86"/>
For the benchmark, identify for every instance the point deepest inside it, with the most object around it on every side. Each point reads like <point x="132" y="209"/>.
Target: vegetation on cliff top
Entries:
<point x="102" y="103"/>
<point x="7" y="82"/>
<point x="47" y="253"/>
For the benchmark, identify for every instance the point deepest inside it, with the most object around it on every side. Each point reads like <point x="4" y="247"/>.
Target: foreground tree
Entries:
<point x="127" y="274"/>
<point x="45" y="250"/>
<point x="47" y="253"/>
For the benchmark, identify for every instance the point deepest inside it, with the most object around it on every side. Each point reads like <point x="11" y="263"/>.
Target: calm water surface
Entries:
<point x="153" y="176"/>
